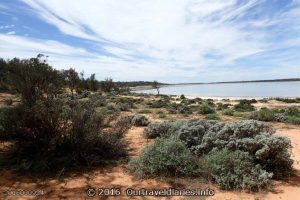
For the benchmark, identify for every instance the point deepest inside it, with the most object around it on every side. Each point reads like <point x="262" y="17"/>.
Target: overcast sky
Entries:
<point x="166" y="40"/>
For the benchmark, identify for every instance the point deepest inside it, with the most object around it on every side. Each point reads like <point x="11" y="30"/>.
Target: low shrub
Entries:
<point x="182" y="97"/>
<point x="244" y="106"/>
<point x="125" y="106"/>
<point x="140" y="120"/>
<point x="263" y="115"/>
<point x="235" y="170"/>
<point x="221" y="106"/>
<point x="286" y="100"/>
<point x="162" y="115"/>
<point x="159" y="104"/>
<point x="293" y="120"/>
<point x="212" y="117"/>
<point x="228" y="112"/>
<point x="179" y="109"/>
<point x="206" y="109"/>
<point x="165" y="157"/>
<point x="144" y="111"/>
<point x="272" y="152"/>
<point x="162" y="129"/>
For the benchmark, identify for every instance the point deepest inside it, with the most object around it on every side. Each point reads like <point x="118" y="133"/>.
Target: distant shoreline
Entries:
<point x="149" y="87"/>
<point x="252" y="81"/>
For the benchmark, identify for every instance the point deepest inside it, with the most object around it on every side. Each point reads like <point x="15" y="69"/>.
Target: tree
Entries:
<point x="107" y="85"/>
<point x="156" y="86"/>
<point x="34" y="79"/>
<point x="93" y="83"/>
<point x="3" y="75"/>
<point x="72" y="79"/>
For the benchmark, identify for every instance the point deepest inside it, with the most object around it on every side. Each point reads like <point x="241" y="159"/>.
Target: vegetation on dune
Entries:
<point x="244" y="106"/>
<point x="289" y="115"/>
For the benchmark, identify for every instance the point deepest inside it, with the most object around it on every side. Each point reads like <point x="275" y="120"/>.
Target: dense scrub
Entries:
<point x="249" y="143"/>
<point x="54" y="131"/>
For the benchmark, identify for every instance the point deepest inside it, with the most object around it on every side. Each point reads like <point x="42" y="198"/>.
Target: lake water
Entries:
<point x="247" y="90"/>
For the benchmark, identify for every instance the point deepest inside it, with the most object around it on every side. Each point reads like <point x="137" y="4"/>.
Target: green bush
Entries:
<point x="221" y="106"/>
<point x="165" y="157"/>
<point x="212" y="117"/>
<point x="144" y="111"/>
<point x="159" y="104"/>
<point x="244" y="106"/>
<point x="51" y="135"/>
<point x="162" y="115"/>
<point x="228" y="112"/>
<point x="235" y="170"/>
<point x="263" y="115"/>
<point x="206" y="109"/>
<point x="293" y="120"/>
<point x="286" y="100"/>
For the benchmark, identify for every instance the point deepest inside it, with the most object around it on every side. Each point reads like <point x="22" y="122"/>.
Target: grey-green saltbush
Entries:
<point x="140" y="120"/>
<point x="235" y="169"/>
<point x="165" y="157"/>
<point x="201" y="137"/>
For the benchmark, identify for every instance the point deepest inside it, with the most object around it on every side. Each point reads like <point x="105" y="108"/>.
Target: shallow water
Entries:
<point x="257" y="89"/>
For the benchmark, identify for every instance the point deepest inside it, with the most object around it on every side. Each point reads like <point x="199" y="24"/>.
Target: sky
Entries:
<point x="171" y="41"/>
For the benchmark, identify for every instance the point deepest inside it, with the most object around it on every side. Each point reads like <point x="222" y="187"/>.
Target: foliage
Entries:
<point x="52" y="135"/>
<point x="159" y="103"/>
<point x="34" y="79"/>
<point x="144" y="111"/>
<point x="140" y="120"/>
<point x="165" y="157"/>
<point x="182" y="96"/>
<point x="212" y="117"/>
<point x="228" y="112"/>
<point x="206" y="109"/>
<point x="108" y="85"/>
<point x="201" y="137"/>
<point x="162" y="115"/>
<point x="72" y="79"/>
<point x="235" y="169"/>
<point x="287" y="100"/>
<point x="179" y="108"/>
<point x="244" y="106"/>
<point x="221" y="106"/>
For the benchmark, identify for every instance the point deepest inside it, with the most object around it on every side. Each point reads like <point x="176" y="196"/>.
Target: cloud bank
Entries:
<point x="168" y="40"/>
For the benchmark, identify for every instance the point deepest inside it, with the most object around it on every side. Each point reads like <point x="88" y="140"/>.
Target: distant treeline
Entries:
<point x="70" y="78"/>
<point x="137" y="83"/>
<point x="253" y="81"/>
<point x="29" y="73"/>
